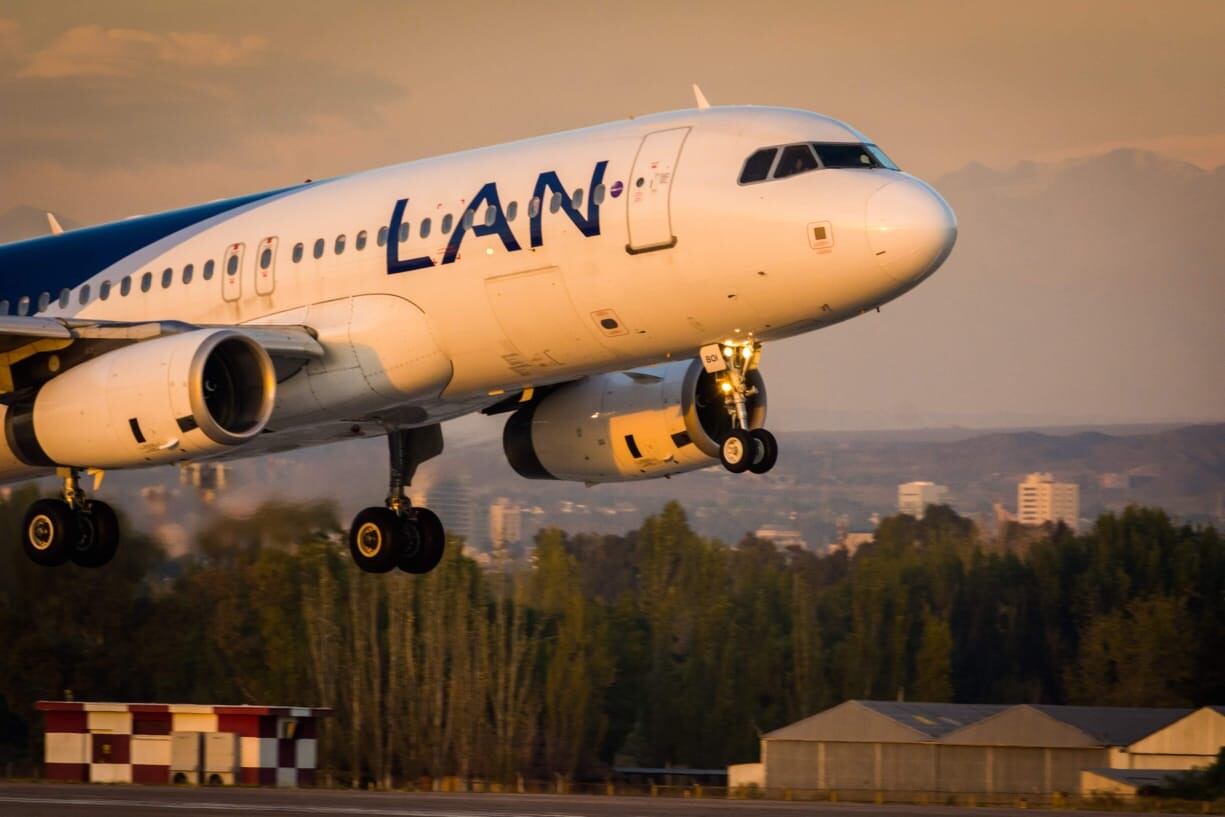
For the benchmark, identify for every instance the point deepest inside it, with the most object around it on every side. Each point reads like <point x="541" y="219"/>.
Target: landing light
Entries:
<point x="728" y="351"/>
<point x="727" y="387"/>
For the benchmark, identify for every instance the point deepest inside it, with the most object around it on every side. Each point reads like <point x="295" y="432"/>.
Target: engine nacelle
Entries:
<point x="162" y="400"/>
<point x="646" y="423"/>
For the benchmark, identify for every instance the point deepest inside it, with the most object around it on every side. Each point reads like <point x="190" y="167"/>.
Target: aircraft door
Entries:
<point x="649" y="211"/>
<point x="265" y="266"/>
<point x="231" y="273"/>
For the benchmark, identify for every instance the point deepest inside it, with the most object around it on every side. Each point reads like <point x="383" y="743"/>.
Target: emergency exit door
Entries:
<point x="650" y="191"/>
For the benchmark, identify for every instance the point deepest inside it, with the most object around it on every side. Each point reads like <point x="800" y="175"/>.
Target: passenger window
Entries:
<point x="468" y="219"/>
<point x="425" y="228"/>
<point x="382" y="237"/>
<point x="208" y="271"/>
<point x="188" y="271"/>
<point x="4" y="307"/>
<point x="23" y="305"/>
<point x="167" y="277"/>
<point x="491" y="216"/>
<point x="65" y="294"/>
<point x="298" y="249"/>
<point x="44" y="300"/>
<point x="533" y="207"/>
<point x="446" y="223"/>
<point x="146" y="282"/>
<point x="83" y="298"/>
<point x="597" y="193"/>
<point x="104" y="291"/>
<point x="845" y="156"/>
<point x="757" y="168"/>
<point x="231" y="265"/>
<point x="340" y="244"/>
<point x="125" y="286"/>
<point x="555" y="203"/>
<point x="577" y="198"/>
<point x="360" y="243"/>
<point x="318" y="248"/>
<point x="265" y="258"/>
<point x="795" y="159"/>
<point x="512" y="210"/>
<point x="404" y="230"/>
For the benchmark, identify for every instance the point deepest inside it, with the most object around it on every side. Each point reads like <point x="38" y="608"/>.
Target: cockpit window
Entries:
<point x="795" y="159"/>
<point x="880" y="156"/>
<point x="757" y="168"/>
<point x="843" y="156"/>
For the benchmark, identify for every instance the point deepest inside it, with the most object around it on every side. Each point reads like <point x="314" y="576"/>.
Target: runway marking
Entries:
<point x="184" y="805"/>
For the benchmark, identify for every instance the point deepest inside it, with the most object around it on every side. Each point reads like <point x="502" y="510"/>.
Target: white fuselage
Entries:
<point x="431" y="343"/>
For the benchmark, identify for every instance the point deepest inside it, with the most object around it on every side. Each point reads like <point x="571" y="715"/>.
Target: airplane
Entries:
<point x="609" y="288"/>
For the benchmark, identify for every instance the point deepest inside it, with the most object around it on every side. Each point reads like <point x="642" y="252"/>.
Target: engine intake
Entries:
<point x="624" y="426"/>
<point x="167" y="399"/>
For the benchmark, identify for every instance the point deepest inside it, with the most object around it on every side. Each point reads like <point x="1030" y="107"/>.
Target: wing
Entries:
<point x="24" y="340"/>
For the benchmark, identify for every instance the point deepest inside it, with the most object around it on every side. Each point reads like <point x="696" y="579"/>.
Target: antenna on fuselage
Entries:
<point x="703" y="104"/>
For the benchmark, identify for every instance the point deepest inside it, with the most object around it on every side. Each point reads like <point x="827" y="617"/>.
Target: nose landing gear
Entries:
<point x="399" y="535"/>
<point x="741" y="449"/>
<point x="77" y="529"/>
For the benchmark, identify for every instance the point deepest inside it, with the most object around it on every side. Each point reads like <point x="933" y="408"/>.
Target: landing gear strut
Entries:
<point x="741" y="449"/>
<point x="77" y="529"/>
<point x="398" y="534"/>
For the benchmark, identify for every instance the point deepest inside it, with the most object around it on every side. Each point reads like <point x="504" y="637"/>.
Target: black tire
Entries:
<point x="376" y="540"/>
<point x="99" y="538"/>
<point x="736" y="451"/>
<point x="50" y="533"/>
<point x="429" y="541"/>
<point x="769" y="451"/>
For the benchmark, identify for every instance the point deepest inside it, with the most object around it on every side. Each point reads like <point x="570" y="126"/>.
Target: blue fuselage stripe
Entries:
<point x="53" y="263"/>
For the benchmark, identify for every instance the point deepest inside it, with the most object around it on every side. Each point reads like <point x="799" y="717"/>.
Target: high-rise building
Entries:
<point x="1040" y="500"/>
<point x="451" y="499"/>
<point x="505" y="524"/>
<point x="914" y="497"/>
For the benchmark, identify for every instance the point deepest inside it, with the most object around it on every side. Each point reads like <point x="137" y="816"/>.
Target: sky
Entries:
<point x="118" y="108"/>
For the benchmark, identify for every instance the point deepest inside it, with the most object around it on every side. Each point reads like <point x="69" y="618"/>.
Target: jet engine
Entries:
<point x="623" y="426"/>
<point x="162" y="400"/>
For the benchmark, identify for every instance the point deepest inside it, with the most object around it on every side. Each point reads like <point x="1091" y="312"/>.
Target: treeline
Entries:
<point x="657" y="647"/>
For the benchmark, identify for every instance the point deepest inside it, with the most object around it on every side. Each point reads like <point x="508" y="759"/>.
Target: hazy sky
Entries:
<point x="114" y="108"/>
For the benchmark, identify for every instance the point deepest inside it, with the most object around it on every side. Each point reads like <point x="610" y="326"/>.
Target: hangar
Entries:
<point x="180" y="743"/>
<point x="939" y="748"/>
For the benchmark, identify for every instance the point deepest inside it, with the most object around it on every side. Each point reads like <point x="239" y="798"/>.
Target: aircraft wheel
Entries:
<point x="428" y="540"/>
<point x="377" y="540"/>
<point x="99" y="538"/>
<point x="736" y="452"/>
<point x="767" y="450"/>
<point x="50" y="532"/>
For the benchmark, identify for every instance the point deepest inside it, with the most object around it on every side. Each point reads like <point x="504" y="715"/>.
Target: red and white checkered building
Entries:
<point x="132" y="743"/>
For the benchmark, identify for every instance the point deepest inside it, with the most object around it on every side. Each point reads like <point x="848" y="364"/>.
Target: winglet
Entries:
<point x="703" y="104"/>
<point x="56" y="229"/>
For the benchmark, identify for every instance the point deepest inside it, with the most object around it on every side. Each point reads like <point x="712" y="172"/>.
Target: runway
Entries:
<point x="58" y="800"/>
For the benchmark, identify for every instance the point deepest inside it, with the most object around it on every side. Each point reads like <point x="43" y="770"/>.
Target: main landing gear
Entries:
<point x="399" y="535"/>
<point x="73" y="529"/>
<point x="742" y="449"/>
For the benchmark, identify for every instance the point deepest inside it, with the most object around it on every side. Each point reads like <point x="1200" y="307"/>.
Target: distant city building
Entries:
<point x="1040" y="500"/>
<point x="209" y="478"/>
<point x="782" y="538"/>
<point x="851" y="541"/>
<point x="451" y="499"/>
<point x="505" y="524"/>
<point x="914" y="497"/>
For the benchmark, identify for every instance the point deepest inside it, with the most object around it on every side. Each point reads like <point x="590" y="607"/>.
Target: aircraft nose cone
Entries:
<point x="911" y="229"/>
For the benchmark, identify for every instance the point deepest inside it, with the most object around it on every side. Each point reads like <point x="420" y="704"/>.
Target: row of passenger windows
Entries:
<point x="489" y="217"/>
<point x="790" y="160"/>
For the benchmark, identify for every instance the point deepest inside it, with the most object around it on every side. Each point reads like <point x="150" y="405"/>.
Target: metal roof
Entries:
<point x="933" y="720"/>
<point x="1113" y="725"/>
